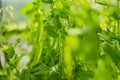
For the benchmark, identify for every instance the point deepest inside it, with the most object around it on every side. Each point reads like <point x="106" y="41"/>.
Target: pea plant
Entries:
<point x="66" y="40"/>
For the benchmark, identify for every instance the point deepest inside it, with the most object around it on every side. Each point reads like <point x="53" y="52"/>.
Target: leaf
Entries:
<point x="9" y="50"/>
<point x="101" y="2"/>
<point x="51" y="31"/>
<point x="28" y="9"/>
<point x="47" y="1"/>
<point x="14" y="62"/>
<point x="114" y="53"/>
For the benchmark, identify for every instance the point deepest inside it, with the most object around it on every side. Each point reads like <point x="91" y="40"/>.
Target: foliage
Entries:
<point x="64" y="40"/>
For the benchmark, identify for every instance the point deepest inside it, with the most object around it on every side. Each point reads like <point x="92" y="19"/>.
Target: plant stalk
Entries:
<point x="118" y="24"/>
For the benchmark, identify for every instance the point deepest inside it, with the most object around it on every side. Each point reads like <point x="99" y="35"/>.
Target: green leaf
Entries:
<point x="47" y="1"/>
<point x="114" y="53"/>
<point x="28" y="9"/>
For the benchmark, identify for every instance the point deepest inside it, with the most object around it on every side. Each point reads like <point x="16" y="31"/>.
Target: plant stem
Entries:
<point x="11" y="75"/>
<point x="118" y="22"/>
<point x="118" y="16"/>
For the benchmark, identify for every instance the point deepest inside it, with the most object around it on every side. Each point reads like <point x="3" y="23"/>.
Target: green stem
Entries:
<point x="118" y="18"/>
<point x="118" y="23"/>
<point x="39" y="41"/>
<point x="11" y="75"/>
<point x="61" y="44"/>
<point x="27" y="74"/>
